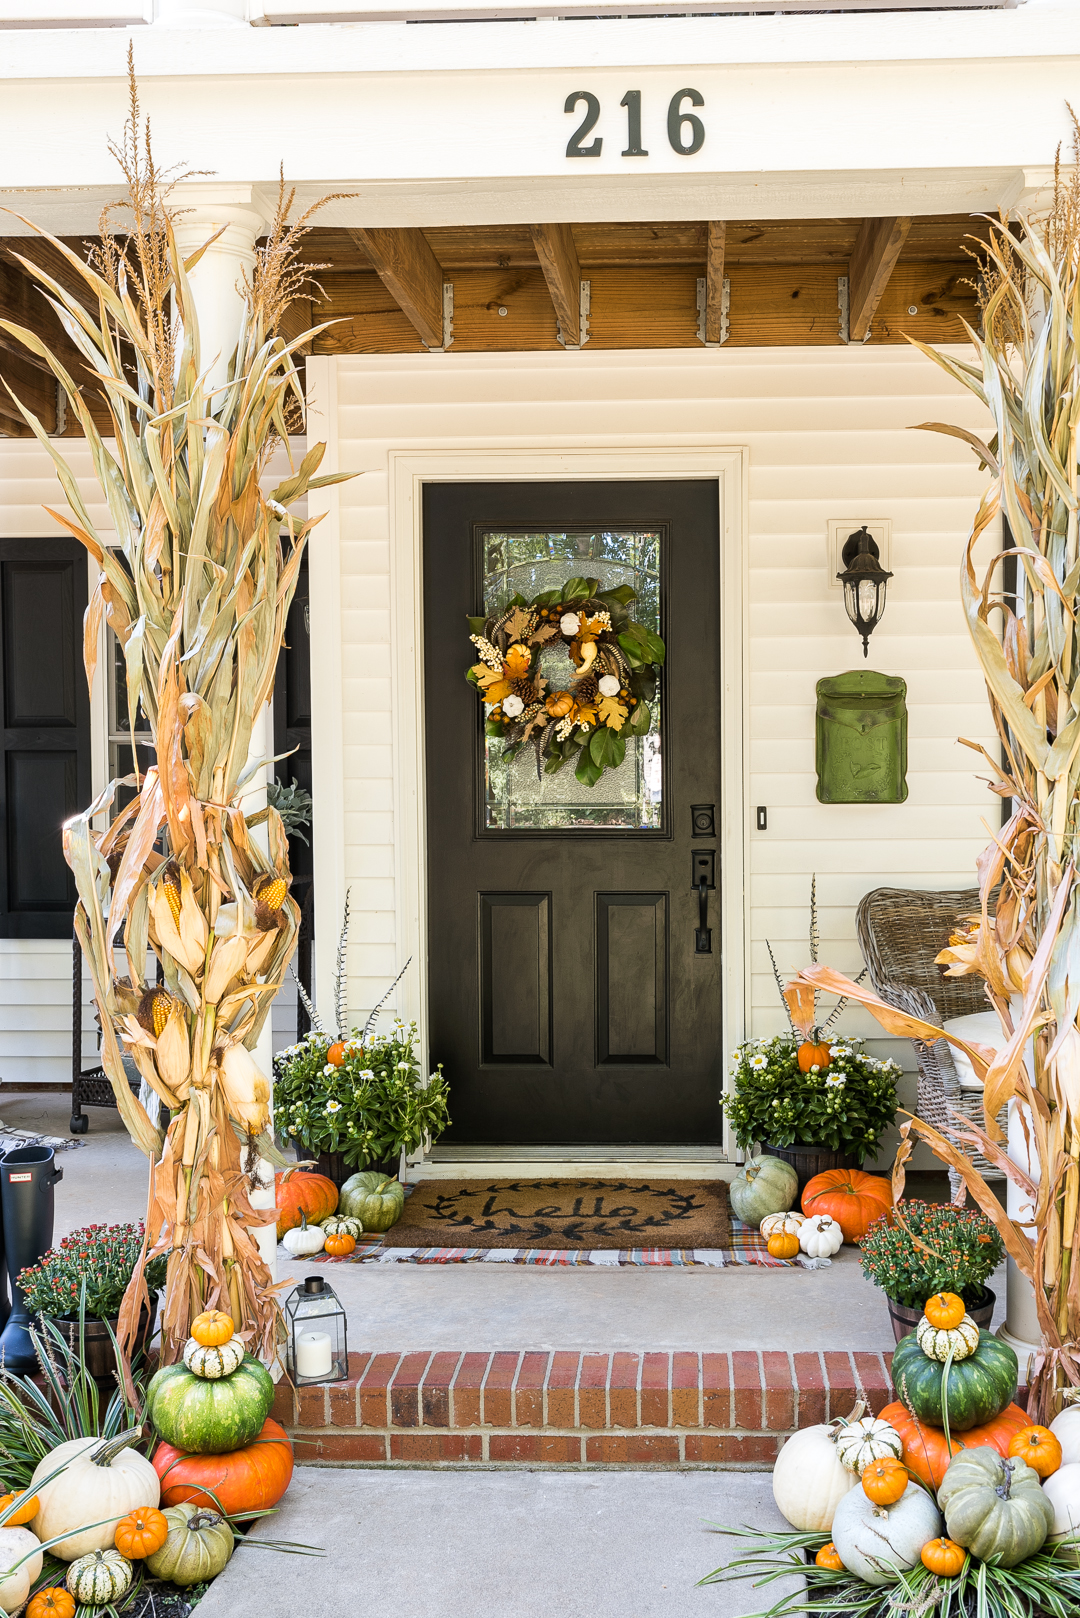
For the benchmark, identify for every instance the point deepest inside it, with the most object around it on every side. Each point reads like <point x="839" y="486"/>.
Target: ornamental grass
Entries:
<point x="1025" y="940"/>
<point x="196" y="590"/>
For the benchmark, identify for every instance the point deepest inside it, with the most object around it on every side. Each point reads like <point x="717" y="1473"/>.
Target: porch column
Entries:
<point x="217" y="283"/>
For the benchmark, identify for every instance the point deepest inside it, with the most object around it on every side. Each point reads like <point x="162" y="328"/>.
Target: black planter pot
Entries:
<point x="905" y="1317"/>
<point x="810" y="1160"/>
<point x="334" y="1166"/>
<point x="100" y="1358"/>
<point x="388" y="1166"/>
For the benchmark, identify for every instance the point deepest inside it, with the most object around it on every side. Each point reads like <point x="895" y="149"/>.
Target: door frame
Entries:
<point x="409" y="471"/>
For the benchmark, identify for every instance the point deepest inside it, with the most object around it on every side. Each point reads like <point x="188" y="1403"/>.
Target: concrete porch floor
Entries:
<point x="405" y="1306"/>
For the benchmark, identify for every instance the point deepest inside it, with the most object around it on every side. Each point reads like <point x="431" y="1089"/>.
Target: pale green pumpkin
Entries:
<point x="373" y="1199"/>
<point x="197" y="1547"/>
<point x="763" y="1186"/>
<point x="995" y="1507"/>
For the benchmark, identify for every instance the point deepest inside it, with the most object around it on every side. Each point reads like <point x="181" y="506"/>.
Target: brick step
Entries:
<point x="530" y="1408"/>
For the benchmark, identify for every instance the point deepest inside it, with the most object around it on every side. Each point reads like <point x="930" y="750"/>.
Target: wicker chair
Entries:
<point x="900" y="931"/>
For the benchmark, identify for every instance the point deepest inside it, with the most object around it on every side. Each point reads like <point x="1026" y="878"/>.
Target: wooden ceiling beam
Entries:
<point x="558" y="255"/>
<point x="714" y="280"/>
<point x="412" y="275"/>
<point x="873" y="259"/>
<point x="22" y="303"/>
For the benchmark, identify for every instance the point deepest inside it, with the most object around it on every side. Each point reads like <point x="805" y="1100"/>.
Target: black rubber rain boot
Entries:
<point x="27" y="1177"/>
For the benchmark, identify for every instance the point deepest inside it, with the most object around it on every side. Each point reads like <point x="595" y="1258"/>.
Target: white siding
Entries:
<point x="827" y="436"/>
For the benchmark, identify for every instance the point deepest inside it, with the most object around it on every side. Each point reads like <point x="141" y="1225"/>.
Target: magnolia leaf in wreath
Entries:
<point x="640" y="720"/>
<point x="657" y="649"/>
<point x="577" y="589"/>
<point x="477" y="626"/>
<point x="612" y="712"/>
<point x="623" y="594"/>
<point x="588" y="772"/>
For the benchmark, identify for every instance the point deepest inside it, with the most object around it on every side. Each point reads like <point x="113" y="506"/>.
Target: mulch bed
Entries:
<point x="564" y="1214"/>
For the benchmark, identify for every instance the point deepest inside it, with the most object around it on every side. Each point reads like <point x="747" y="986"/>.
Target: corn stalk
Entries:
<point x="197" y="592"/>
<point x="1025" y="941"/>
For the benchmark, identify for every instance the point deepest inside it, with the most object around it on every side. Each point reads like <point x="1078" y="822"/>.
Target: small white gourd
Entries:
<point x="304" y="1240"/>
<point x="877" y="1543"/>
<point x="782" y="1224"/>
<point x="212" y="1362"/>
<point x="937" y="1343"/>
<point x="809" y="1480"/>
<point x="821" y="1236"/>
<point x="862" y="1439"/>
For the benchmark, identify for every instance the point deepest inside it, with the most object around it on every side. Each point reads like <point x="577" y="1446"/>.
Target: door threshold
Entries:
<point x="572" y="1162"/>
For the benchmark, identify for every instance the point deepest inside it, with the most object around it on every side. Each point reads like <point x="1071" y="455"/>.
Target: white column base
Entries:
<point x="263" y="1196"/>
<point x="1021" y="1329"/>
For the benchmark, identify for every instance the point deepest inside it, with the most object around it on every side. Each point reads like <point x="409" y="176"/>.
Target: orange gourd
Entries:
<point x="943" y="1557"/>
<point x="297" y="1193"/>
<point x="783" y="1245"/>
<point x="884" y="1481"/>
<point x="337" y="1246"/>
<point x="212" y="1328"/>
<point x="141" y="1533"/>
<point x="336" y="1054"/>
<point x="828" y="1556"/>
<point x="30" y="1508"/>
<point x="849" y="1196"/>
<point x="811" y="1054"/>
<point x="945" y="1311"/>
<point x="52" y="1602"/>
<point x="926" y="1454"/>
<point x="1039" y="1448"/>
<point x="250" y="1479"/>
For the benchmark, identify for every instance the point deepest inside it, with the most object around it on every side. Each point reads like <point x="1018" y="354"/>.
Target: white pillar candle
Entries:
<point x="313" y="1356"/>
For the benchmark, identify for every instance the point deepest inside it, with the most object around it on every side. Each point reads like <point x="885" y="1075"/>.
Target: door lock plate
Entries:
<point x="703" y="819"/>
<point x="703" y="864"/>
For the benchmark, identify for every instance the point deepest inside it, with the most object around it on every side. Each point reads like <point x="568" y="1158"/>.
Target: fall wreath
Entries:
<point x="615" y="661"/>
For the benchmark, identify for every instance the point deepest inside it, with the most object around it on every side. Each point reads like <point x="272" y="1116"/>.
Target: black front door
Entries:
<point x="570" y="996"/>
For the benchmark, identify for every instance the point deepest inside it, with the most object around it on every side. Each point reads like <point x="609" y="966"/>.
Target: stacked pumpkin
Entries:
<point x="953" y="1469"/>
<point x="314" y="1217"/>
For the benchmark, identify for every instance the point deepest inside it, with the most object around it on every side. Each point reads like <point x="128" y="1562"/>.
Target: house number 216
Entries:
<point x="685" y="130"/>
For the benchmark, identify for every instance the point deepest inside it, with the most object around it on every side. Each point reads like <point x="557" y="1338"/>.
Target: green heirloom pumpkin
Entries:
<point x="198" y="1545"/>
<point x="210" y="1418"/>
<point x="373" y="1199"/>
<point x="980" y="1387"/>
<point x="763" y="1186"/>
<point x="995" y="1507"/>
<point x="338" y="1225"/>
<point x="99" y="1579"/>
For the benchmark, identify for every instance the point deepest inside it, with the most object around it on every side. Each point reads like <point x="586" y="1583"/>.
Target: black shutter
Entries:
<point x="45" y="774"/>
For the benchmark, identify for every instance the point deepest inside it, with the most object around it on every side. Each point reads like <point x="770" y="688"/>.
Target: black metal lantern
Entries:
<point x="865" y="582"/>
<point x="317" y="1349"/>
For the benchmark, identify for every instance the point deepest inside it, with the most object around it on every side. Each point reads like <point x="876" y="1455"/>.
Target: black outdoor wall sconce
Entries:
<point x="865" y="582"/>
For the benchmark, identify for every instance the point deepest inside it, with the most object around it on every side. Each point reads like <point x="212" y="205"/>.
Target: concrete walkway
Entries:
<point x="501" y="1544"/>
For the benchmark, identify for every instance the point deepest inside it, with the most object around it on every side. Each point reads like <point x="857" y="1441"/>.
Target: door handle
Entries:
<point x="703" y="933"/>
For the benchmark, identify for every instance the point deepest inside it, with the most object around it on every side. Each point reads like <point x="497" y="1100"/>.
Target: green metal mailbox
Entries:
<point x="861" y="738"/>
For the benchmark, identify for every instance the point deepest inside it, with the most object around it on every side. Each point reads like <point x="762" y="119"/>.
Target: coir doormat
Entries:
<point x="564" y="1214"/>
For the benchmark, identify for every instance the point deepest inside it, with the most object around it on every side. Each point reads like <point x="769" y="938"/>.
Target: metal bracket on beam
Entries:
<point x="844" y="305"/>
<point x="702" y="304"/>
<point x="584" y="306"/>
<point x="447" y="319"/>
<point x="61" y="412"/>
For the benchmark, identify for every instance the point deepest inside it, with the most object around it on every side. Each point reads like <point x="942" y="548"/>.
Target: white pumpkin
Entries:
<point x="809" y="1480"/>
<point x="15" y="1543"/>
<point x="304" y="1239"/>
<point x="864" y="1440"/>
<point x="1066" y="1429"/>
<point x="212" y="1362"/>
<point x="878" y="1542"/>
<point x="937" y="1343"/>
<point x="820" y="1237"/>
<point x="101" y="1481"/>
<point x="782" y="1224"/>
<point x="1062" y="1489"/>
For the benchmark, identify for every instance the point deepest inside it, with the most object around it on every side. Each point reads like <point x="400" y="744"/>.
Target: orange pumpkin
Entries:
<point x="783" y="1245"/>
<point x="559" y="704"/>
<point x="926" y="1454"/>
<point x="849" y="1196"/>
<point x="828" y="1556"/>
<point x="297" y="1193"/>
<point x="1039" y="1447"/>
<point x="811" y="1055"/>
<point x="23" y="1513"/>
<point x="250" y="1479"/>
<point x="212" y="1328"/>
<point x="336" y="1054"/>
<point x="338" y="1245"/>
<point x="943" y="1557"/>
<point x="52" y="1602"/>
<point x="141" y="1533"/>
<point x="884" y="1481"/>
<point x="945" y="1310"/>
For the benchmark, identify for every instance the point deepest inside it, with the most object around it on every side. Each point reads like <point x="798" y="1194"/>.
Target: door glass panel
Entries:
<point x="630" y="798"/>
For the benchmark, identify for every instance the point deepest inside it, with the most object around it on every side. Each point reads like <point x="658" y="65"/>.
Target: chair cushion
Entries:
<point x="979" y="1028"/>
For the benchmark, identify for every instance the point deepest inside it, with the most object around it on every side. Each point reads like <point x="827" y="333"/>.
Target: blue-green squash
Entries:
<point x="210" y="1418"/>
<point x="980" y="1387"/>
<point x="763" y="1186"/>
<point x="373" y="1199"/>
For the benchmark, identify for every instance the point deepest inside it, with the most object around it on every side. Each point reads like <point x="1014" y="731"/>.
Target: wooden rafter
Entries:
<point x="873" y="259"/>
<point x="558" y="255"/>
<point x="412" y="275"/>
<point x="715" y="248"/>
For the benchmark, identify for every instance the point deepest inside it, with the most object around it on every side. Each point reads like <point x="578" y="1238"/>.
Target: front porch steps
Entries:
<point x="521" y="1408"/>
